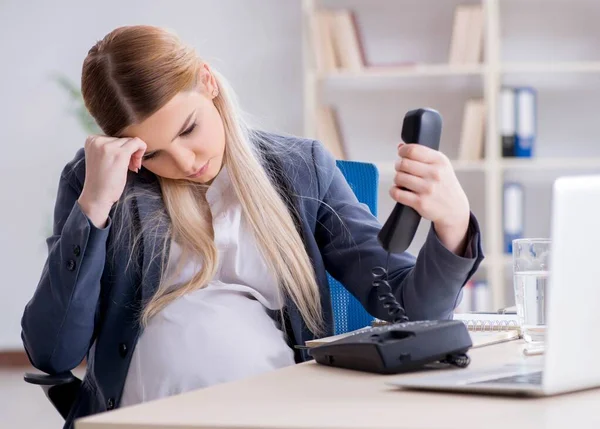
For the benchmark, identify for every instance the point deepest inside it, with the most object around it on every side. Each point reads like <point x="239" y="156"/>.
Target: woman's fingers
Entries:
<point x="416" y="168"/>
<point x="405" y="197"/>
<point x="135" y="149"/>
<point x="420" y="153"/>
<point x="412" y="183"/>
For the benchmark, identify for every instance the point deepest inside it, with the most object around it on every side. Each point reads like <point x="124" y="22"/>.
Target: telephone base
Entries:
<point x="398" y="347"/>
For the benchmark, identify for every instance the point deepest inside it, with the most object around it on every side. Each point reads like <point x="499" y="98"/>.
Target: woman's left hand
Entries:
<point x="433" y="190"/>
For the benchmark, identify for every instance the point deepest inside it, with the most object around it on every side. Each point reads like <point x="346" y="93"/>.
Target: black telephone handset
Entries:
<point x="424" y="127"/>
<point x="401" y="345"/>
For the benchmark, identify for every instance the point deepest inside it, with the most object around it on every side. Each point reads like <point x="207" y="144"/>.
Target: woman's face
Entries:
<point x="185" y="139"/>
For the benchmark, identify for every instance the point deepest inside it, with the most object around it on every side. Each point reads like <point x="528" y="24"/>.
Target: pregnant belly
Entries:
<point x="208" y="337"/>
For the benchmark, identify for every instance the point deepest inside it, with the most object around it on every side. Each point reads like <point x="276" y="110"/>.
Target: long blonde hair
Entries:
<point x="130" y="74"/>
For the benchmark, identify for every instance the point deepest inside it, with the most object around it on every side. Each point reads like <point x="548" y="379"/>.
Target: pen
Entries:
<point x="534" y="350"/>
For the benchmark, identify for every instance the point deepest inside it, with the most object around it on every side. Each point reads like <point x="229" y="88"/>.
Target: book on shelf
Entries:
<point x="321" y="41"/>
<point x="337" y="44"/>
<point x="466" y="42"/>
<point x="336" y="41"/>
<point x="346" y="40"/>
<point x="328" y="131"/>
<point x="473" y="131"/>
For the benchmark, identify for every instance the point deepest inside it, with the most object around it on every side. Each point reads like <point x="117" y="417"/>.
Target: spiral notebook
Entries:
<point x="479" y="338"/>
<point x="504" y="320"/>
<point x="489" y="321"/>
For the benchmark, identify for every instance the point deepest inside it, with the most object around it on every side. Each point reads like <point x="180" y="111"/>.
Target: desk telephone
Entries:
<point x="402" y="345"/>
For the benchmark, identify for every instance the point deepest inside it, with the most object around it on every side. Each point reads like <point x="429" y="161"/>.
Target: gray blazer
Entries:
<point x="86" y="302"/>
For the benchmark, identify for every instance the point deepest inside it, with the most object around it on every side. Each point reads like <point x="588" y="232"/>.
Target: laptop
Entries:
<point x="571" y="359"/>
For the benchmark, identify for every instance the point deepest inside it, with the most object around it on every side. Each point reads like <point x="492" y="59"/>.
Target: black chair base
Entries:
<point x="61" y="389"/>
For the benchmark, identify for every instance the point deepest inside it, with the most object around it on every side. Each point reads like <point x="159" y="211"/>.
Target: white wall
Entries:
<point x="255" y="43"/>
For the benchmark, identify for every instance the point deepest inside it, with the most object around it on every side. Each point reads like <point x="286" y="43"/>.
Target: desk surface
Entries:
<point x="313" y="396"/>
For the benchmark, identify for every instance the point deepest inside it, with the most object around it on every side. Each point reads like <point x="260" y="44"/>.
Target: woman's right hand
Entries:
<point x="107" y="160"/>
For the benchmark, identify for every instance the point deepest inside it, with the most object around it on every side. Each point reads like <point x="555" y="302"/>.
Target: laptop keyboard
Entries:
<point x="529" y="378"/>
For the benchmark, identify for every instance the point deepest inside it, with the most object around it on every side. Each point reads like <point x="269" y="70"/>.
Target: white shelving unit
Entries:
<point x="558" y="67"/>
<point x="548" y="44"/>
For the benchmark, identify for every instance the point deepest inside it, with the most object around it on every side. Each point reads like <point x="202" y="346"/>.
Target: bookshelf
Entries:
<point x="404" y="72"/>
<point x="550" y="45"/>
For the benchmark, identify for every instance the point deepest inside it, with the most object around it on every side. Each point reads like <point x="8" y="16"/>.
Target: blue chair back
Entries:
<point x="348" y="312"/>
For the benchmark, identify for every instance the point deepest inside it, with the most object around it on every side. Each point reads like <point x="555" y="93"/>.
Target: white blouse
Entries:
<point x="219" y="333"/>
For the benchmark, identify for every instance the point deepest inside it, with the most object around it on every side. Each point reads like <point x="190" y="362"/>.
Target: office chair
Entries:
<point x="61" y="389"/>
<point x="349" y="314"/>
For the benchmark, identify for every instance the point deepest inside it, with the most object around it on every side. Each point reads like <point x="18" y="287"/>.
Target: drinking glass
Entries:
<point x="531" y="257"/>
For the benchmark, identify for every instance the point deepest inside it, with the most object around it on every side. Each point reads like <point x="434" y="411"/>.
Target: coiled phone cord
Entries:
<point x="397" y="312"/>
<point x="385" y="295"/>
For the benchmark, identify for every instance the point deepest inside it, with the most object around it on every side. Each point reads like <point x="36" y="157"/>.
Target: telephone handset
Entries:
<point x="401" y="345"/>
<point x="424" y="127"/>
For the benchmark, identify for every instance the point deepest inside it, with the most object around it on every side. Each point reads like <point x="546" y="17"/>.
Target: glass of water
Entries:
<point x="531" y="257"/>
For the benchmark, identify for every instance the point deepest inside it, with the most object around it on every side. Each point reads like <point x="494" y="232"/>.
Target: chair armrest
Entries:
<point x="50" y="380"/>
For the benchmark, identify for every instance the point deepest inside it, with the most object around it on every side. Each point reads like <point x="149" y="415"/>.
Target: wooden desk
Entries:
<point x="313" y="396"/>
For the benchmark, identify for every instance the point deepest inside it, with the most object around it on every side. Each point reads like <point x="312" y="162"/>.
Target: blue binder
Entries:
<point x="526" y="121"/>
<point x="514" y="203"/>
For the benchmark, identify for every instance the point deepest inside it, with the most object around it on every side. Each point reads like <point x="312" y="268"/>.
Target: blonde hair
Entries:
<point x="132" y="73"/>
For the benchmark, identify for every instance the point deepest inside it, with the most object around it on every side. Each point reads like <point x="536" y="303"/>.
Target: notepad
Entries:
<point x="505" y="321"/>
<point x="479" y="339"/>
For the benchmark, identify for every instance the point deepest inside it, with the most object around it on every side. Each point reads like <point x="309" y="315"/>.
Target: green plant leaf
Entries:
<point x="86" y="121"/>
